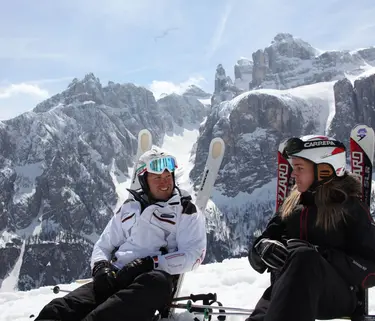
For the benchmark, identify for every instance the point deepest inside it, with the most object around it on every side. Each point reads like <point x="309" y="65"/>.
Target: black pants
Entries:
<point x="138" y="302"/>
<point x="307" y="289"/>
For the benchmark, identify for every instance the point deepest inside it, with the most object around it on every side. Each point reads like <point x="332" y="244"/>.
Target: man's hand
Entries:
<point x="130" y="271"/>
<point x="104" y="278"/>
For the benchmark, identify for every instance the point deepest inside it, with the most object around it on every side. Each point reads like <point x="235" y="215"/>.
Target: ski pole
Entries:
<point x="222" y="313"/>
<point x="56" y="289"/>
<point x="188" y="306"/>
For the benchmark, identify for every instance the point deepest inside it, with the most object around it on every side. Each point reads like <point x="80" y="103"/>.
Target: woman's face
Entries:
<point x="303" y="172"/>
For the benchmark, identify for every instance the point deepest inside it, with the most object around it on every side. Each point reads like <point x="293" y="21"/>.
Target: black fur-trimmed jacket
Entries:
<point x="350" y="248"/>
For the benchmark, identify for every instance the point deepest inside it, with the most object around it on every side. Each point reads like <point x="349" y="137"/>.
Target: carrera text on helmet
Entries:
<point x="318" y="143"/>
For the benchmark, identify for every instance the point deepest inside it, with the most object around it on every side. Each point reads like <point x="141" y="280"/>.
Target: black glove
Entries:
<point x="104" y="278"/>
<point x="293" y="244"/>
<point x="130" y="271"/>
<point x="273" y="253"/>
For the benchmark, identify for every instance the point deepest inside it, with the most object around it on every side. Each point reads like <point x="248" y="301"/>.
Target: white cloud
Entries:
<point x="16" y="99"/>
<point x="160" y="88"/>
<point x="23" y="88"/>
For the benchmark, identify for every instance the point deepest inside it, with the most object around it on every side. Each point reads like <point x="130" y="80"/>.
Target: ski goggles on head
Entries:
<point x="159" y="165"/>
<point x="296" y="145"/>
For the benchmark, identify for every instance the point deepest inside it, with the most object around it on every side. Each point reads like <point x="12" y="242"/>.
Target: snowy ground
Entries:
<point x="234" y="281"/>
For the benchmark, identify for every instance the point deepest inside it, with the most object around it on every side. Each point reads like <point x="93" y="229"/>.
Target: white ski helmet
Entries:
<point x="156" y="161"/>
<point x="327" y="154"/>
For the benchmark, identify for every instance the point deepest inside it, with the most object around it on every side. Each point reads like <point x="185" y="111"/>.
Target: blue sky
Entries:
<point x="45" y="44"/>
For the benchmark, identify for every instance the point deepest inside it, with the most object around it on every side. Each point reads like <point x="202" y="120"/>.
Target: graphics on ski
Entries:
<point x="362" y="157"/>
<point x="144" y="144"/>
<point x="211" y="169"/>
<point x="284" y="179"/>
<point x="362" y="141"/>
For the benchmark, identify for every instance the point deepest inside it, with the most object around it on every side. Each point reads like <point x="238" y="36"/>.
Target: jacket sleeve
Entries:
<point x="191" y="243"/>
<point x="274" y="231"/>
<point x="112" y="235"/>
<point x="357" y="263"/>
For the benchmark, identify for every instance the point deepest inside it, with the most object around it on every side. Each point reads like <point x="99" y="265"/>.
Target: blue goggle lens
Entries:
<point x="161" y="164"/>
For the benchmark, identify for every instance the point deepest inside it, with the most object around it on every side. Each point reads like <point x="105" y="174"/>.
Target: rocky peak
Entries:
<point x="243" y="73"/>
<point x="196" y="92"/>
<point x="184" y="110"/>
<point x="354" y="104"/>
<point x="284" y="44"/>
<point x="291" y="62"/>
<point x="224" y="88"/>
<point x="87" y="90"/>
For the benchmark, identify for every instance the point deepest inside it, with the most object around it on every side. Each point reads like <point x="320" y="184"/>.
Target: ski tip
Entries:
<point x="282" y="145"/>
<point x="217" y="147"/>
<point x="144" y="139"/>
<point x="361" y="130"/>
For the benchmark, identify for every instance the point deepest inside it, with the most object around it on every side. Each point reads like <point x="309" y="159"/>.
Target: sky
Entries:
<point x="163" y="45"/>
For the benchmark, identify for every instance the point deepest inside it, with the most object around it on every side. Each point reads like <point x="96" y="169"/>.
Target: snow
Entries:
<point x="370" y="70"/>
<point x="180" y="144"/>
<point x="6" y="237"/>
<point x="234" y="281"/>
<point x="315" y="101"/>
<point x="10" y="283"/>
<point x="121" y="183"/>
<point x="25" y="181"/>
<point x="206" y="101"/>
<point x="261" y="195"/>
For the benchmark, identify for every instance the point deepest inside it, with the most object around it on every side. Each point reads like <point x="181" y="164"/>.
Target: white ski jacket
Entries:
<point x="176" y="224"/>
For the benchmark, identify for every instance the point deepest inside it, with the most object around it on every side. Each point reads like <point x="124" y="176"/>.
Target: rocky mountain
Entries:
<point x="243" y="73"/>
<point x="185" y="110"/>
<point x="60" y="165"/>
<point x="294" y="90"/>
<point x="290" y="62"/>
<point x="196" y="92"/>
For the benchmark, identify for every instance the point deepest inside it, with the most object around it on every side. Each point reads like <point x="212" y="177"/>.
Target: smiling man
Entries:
<point x="157" y="234"/>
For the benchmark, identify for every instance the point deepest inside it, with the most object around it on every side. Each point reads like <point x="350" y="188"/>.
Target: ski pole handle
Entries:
<point x="56" y="289"/>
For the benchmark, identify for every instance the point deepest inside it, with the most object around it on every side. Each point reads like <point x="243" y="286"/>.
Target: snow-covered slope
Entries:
<point x="64" y="171"/>
<point x="234" y="281"/>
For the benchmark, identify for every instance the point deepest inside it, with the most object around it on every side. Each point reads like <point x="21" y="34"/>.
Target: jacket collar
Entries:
<point x="307" y="198"/>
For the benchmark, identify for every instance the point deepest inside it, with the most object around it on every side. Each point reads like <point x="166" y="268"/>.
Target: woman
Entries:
<point x="320" y="246"/>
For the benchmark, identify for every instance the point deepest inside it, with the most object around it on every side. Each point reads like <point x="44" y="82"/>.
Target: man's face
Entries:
<point x="161" y="185"/>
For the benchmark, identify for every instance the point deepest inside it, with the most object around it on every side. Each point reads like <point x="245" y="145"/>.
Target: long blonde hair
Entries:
<point x="328" y="200"/>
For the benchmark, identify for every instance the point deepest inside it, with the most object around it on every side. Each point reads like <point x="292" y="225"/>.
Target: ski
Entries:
<point x="144" y="144"/>
<point x="211" y="169"/>
<point x="362" y="142"/>
<point x="284" y="179"/>
<point x="214" y="159"/>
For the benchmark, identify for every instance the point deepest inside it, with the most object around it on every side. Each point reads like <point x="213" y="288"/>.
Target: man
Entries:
<point x="157" y="234"/>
